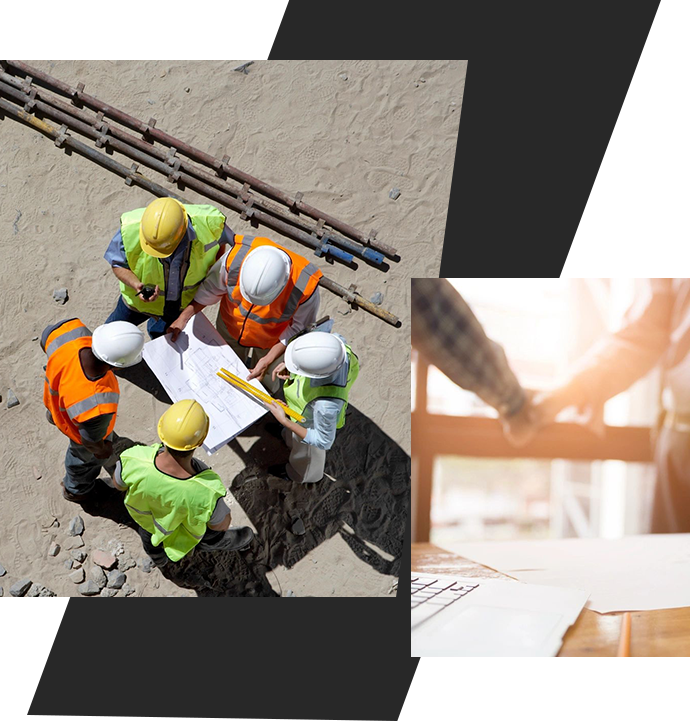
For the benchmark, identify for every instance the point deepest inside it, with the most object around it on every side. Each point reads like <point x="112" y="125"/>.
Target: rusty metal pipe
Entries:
<point x="132" y="176"/>
<point x="16" y="88"/>
<point x="148" y="130"/>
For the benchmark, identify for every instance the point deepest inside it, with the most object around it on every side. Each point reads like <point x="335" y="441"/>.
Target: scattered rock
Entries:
<point x="77" y="576"/>
<point x="149" y="101"/>
<point x="75" y="542"/>
<point x="20" y="587"/>
<point x="2" y="591"/>
<point x="89" y="588"/>
<point x="108" y="592"/>
<point x="78" y="555"/>
<point x="116" y="547"/>
<point x="37" y="475"/>
<point x="298" y="527"/>
<point x="37" y="590"/>
<point x="343" y="76"/>
<point x="377" y="298"/>
<point x="16" y="220"/>
<point x="76" y="526"/>
<point x="125" y="563"/>
<point x="53" y="550"/>
<point x="35" y="338"/>
<point x="49" y="521"/>
<point x="128" y="590"/>
<point x="290" y="594"/>
<point x="422" y="80"/>
<point x="2" y="570"/>
<point x="97" y="575"/>
<point x="69" y="563"/>
<point x="394" y="194"/>
<point x="60" y="295"/>
<point x="146" y="564"/>
<point x="12" y="399"/>
<point x="187" y="90"/>
<point x="116" y="579"/>
<point x="103" y="559"/>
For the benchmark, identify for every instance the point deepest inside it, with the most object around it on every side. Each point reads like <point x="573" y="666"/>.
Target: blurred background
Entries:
<point x="469" y="484"/>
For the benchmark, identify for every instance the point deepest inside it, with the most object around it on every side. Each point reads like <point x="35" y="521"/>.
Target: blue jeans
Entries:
<point x="155" y="326"/>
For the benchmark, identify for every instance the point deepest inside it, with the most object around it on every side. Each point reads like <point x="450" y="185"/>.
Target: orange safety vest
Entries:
<point x="260" y="326"/>
<point x="68" y="394"/>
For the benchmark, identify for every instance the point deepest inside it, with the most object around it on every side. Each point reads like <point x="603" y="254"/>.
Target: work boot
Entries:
<point x="74" y="497"/>
<point x="278" y="470"/>
<point x="234" y="539"/>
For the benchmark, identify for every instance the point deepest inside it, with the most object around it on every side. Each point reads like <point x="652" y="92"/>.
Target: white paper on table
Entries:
<point x="187" y="369"/>
<point x="635" y="573"/>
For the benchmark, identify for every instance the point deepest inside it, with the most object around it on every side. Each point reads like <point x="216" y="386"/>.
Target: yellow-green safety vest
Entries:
<point x="174" y="511"/>
<point x="208" y="223"/>
<point x="299" y="390"/>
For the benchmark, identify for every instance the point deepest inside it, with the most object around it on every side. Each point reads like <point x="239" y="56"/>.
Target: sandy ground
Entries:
<point x="342" y="132"/>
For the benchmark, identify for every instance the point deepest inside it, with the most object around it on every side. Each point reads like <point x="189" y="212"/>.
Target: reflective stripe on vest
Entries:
<point x="208" y="223"/>
<point x="262" y="326"/>
<point x="70" y="397"/>
<point x="299" y="391"/>
<point x="175" y="511"/>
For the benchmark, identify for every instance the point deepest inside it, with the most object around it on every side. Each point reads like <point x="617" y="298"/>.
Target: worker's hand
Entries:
<point x="278" y="412"/>
<point x="259" y="370"/>
<point x="521" y="427"/>
<point x="548" y="405"/>
<point x="177" y="326"/>
<point x="281" y="371"/>
<point x="155" y="295"/>
<point x="105" y="451"/>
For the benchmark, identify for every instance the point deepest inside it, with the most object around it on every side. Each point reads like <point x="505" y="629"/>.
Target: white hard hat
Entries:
<point x="315" y="355"/>
<point x="264" y="274"/>
<point x="118" y="343"/>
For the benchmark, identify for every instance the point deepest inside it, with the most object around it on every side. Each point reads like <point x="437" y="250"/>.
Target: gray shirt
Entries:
<point x="220" y="512"/>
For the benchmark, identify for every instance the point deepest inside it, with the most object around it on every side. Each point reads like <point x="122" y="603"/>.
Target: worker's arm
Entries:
<point x="220" y="520"/>
<point x="281" y="417"/>
<point x="126" y="276"/>
<point x="93" y="435"/>
<point x="116" y="481"/>
<point x="264" y="363"/>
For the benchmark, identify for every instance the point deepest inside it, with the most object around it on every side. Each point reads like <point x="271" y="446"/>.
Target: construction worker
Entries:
<point x="319" y="370"/>
<point x="81" y="393"/>
<point x="176" y="500"/>
<point x="267" y="295"/>
<point x="160" y="255"/>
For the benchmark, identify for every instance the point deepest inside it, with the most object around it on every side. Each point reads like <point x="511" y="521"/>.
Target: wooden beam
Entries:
<point x="483" y="437"/>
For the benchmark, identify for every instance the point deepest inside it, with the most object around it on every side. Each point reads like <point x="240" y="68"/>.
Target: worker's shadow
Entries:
<point x="366" y="504"/>
<point x="143" y="377"/>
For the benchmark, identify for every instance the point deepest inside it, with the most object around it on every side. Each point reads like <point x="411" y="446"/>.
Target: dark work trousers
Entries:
<point x="671" y="509"/>
<point x="212" y="541"/>
<point x="155" y="326"/>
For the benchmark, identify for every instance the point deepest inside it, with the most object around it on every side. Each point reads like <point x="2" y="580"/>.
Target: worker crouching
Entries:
<point x="81" y="394"/>
<point x="176" y="500"/>
<point x="319" y="370"/>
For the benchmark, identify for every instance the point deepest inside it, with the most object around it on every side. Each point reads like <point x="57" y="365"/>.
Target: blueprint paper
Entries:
<point x="635" y="573"/>
<point x="187" y="369"/>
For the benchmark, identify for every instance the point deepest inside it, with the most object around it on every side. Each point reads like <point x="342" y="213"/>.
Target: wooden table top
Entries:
<point x="654" y="633"/>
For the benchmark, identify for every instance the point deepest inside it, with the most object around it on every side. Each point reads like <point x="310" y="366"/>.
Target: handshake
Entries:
<point x="541" y="409"/>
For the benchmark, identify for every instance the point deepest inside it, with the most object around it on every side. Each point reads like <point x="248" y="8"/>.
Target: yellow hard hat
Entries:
<point x="162" y="227"/>
<point x="183" y="426"/>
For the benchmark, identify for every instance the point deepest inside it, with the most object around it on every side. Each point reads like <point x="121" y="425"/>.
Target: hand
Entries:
<point x="155" y="295"/>
<point x="178" y="325"/>
<point x="548" y="405"/>
<point x="521" y="427"/>
<point x="278" y="412"/>
<point x="105" y="452"/>
<point x="259" y="370"/>
<point x="281" y="371"/>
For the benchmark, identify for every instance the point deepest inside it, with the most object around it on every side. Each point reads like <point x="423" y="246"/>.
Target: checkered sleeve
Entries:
<point x="447" y="333"/>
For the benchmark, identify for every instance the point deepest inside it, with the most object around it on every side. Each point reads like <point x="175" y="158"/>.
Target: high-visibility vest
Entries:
<point x="260" y="326"/>
<point x="299" y="391"/>
<point x="174" y="511"/>
<point x="208" y="224"/>
<point x="68" y="394"/>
